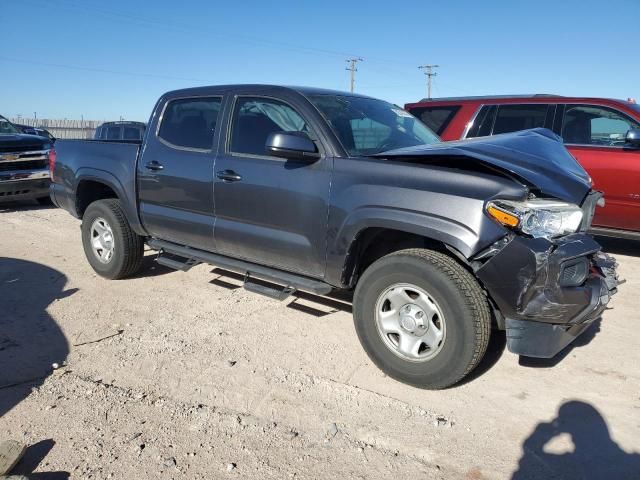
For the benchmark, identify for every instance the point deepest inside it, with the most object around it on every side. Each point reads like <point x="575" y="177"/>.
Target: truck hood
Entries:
<point x="18" y="142"/>
<point x="536" y="156"/>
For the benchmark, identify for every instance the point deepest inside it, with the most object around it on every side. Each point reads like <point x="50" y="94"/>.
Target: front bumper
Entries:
<point x="23" y="185"/>
<point x="549" y="292"/>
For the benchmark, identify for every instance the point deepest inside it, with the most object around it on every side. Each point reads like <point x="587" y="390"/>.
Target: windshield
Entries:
<point x="366" y="126"/>
<point x="6" y="126"/>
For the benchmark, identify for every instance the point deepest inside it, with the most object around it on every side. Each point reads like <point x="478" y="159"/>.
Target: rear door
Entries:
<point x="175" y="172"/>
<point x="268" y="209"/>
<point x="595" y="135"/>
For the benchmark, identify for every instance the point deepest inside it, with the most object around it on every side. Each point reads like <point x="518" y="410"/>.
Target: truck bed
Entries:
<point x="112" y="163"/>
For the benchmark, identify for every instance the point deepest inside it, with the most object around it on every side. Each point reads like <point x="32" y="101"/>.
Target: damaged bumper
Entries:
<point x="549" y="292"/>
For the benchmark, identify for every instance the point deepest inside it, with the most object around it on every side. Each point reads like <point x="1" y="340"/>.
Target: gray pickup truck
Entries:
<point x="24" y="164"/>
<point x="317" y="190"/>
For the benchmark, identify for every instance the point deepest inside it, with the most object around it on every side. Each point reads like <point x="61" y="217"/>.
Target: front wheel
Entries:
<point x="422" y="318"/>
<point x="112" y="248"/>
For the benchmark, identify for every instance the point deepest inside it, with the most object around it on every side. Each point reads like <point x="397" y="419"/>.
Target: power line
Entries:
<point x="353" y="69"/>
<point x="98" y="70"/>
<point x="428" y="71"/>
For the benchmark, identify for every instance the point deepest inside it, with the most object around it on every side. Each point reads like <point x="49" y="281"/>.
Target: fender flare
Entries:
<point x="128" y="203"/>
<point x="448" y="231"/>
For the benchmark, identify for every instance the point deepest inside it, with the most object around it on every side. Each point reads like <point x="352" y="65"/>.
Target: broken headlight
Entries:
<point x="540" y="218"/>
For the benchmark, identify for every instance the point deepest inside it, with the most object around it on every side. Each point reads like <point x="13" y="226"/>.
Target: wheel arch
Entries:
<point x="373" y="237"/>
<point x="94" y="184"/>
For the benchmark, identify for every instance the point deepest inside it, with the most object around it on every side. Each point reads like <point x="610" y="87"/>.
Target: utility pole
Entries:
<point x="353" y="69"/>
<point x="428" y="71"/>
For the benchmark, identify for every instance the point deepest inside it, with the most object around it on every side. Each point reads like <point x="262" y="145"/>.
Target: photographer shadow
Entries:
<point x="594" y="456"/>
<point x="30" y="340"/>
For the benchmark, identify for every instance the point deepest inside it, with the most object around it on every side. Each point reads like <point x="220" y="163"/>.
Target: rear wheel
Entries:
<point x="422" y="318"/>
<point x="112" y="248"/>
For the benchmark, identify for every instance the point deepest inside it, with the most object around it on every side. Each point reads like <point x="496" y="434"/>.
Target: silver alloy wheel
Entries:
<point x="102" y="242"/>
<point x="410" y="322"/>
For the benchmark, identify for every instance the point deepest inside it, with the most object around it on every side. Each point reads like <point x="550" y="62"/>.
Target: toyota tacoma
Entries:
<point x="317" y="190"/>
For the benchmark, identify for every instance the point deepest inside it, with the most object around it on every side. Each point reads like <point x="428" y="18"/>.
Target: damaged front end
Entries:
<point x="549" y="291"/>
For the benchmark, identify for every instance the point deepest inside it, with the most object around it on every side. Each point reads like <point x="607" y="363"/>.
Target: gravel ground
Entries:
<point x="186" y="375"/>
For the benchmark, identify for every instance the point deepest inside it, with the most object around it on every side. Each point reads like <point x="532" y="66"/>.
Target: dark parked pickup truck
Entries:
<point x="308" y="189"/>
<point x="24" y="164"/>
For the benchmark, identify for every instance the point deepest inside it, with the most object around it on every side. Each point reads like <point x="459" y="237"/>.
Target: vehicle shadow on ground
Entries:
<point x="151" y="268"/>
<point x="619" y="246"/>
<point x="340" y="301"/>
<point x="30" y="340"/>
<point x="594" y="454"/>
<point x="584" y="339"/>
<point x="495" y="349"/>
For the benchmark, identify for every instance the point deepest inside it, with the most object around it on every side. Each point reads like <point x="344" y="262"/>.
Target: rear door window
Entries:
<point x="595" y="125"/>
<point x="190" y="123"/>
<point x="512" y="118"/>
<point x="436" y="118"/>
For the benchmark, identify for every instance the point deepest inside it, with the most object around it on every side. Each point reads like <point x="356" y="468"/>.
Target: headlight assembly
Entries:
<point x="538" y="217"/>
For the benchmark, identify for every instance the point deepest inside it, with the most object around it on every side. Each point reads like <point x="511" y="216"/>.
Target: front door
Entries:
<point x="270" y="210"/>
<point x="175" y="173"/>
<point x="595" y="135"/>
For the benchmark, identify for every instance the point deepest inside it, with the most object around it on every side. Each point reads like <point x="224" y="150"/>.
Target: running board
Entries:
<point x="290" y="280"/>
<point x="179" y="263"/>
<point x="277" y="292"/>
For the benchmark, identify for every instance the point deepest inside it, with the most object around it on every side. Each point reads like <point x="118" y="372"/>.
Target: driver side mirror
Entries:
<point x="633" y="138"/>
<point x="292" y="145"/>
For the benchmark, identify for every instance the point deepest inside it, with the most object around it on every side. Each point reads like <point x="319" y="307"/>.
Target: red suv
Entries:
<point x="602" y="134"/>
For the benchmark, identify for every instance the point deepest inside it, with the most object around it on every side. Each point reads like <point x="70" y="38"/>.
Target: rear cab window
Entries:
<point x="189" y="123"/>
<point x="436" y="118"/>
<point x="113" y="133"/>
<point x="132" y="133"/>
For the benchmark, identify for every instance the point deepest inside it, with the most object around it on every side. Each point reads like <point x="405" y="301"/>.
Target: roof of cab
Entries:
<point x="221" y="89"/>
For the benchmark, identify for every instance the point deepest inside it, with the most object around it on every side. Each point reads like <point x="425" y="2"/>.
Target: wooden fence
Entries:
<point x="63" y="128"/>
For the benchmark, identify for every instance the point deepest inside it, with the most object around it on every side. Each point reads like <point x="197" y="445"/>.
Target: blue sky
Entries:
<point x="104" y="60"/>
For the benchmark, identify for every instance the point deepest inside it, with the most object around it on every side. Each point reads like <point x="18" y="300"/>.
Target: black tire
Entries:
<point x="128" y="246"/>
<point x="459" y="297"/>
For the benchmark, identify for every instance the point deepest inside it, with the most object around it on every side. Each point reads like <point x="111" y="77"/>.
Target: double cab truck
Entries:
<point x="317" y="190"/>
<point x="24" y="160"/>
<point x="603" y="135"/>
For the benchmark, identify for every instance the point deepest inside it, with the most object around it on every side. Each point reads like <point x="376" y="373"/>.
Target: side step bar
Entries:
<point x="248" y="269"/>
<point x="176" y="264"/>
<point x="281" y="293"/>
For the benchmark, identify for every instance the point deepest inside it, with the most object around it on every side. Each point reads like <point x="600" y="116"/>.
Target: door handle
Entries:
<point x="154" y="165"/>
<point x="228" y="176"/>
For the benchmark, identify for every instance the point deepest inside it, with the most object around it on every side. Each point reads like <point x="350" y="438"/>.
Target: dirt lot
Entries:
<point x="174" y="375"/>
